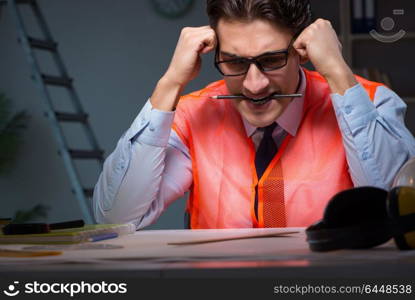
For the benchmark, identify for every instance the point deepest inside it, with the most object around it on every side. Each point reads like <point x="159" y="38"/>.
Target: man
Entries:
<point x="255" y="161"/>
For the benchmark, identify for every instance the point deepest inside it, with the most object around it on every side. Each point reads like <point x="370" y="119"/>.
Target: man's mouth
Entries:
<point x="259" y="106"/>
<point x="273" y="96"/>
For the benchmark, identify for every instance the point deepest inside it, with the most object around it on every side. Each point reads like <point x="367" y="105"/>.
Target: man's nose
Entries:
<point x="255" y="81"/>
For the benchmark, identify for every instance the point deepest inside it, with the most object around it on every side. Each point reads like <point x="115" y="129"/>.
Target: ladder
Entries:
<point x="57" y="118"/>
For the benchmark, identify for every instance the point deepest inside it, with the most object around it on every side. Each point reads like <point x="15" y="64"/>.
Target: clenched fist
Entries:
<point x="184" y="66"/>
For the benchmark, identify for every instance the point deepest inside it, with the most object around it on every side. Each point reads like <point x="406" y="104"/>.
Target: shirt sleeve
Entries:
<point x="149" y="169"/>
<point x="375" y="138"/>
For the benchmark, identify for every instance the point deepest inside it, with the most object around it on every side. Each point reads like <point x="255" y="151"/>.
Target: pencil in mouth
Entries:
<point x="258" y="101"/>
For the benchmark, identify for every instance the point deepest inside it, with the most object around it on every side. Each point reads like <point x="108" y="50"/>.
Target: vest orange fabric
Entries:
<point x="309" y="168"/>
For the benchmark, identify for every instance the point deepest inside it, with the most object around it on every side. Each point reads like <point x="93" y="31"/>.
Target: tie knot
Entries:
<point x="268" y="130"/>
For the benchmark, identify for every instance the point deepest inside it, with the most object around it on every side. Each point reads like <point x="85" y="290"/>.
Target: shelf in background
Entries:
<point x="368" y="37"/>
<point x="410" y="100"/>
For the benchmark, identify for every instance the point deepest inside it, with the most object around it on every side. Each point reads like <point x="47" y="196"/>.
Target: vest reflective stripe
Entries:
<point x="313" y="163"/>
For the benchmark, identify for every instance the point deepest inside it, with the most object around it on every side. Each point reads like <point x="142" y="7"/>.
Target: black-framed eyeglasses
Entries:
<point x="265" y="62"/>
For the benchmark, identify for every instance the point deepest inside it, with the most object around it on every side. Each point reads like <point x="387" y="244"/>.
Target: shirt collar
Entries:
<point x="291" y="117"/>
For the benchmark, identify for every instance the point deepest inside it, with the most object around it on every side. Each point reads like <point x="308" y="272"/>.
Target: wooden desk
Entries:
<point x="146" y="254"/>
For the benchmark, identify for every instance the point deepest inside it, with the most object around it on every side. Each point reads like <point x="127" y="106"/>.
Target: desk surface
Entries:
<point x="147" y="254"/>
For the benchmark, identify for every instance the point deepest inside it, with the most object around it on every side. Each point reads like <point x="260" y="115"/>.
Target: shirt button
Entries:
<point x="151" y="129"/>
<point x="143" y="121"/>
<point x="365" y="155"/>
<point x="348" y="109"/>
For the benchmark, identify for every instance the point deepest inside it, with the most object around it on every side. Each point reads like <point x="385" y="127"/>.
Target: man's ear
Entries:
<point x="303" y="60"/>
<point x="301" y="56"/>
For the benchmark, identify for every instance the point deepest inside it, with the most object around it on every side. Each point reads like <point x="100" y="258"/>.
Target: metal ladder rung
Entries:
<point x="86" y="154"/>
<point x="55" y="80"/>
<point x="89" y="192"/>
<point x="70" y="117"/>
<point x="46" y="42"/>
<point x="42" y="44"/>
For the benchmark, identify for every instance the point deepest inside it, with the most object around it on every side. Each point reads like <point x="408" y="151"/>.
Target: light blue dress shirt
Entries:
<point x="151" y="167"/>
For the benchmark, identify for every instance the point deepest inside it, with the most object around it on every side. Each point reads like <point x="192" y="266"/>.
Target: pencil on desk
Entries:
<point x="241" y="237"/>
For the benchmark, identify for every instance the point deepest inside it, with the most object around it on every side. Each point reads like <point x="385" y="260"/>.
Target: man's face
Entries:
<point x="250" y="39"/>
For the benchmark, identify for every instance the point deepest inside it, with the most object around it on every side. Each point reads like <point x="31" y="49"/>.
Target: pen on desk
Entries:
<point x="101" y="237"/>
<point x="69" y="224"/>
<point x="37" y="228"/>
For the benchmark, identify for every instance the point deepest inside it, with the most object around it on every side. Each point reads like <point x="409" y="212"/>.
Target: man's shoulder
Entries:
<point x="317" y="77"/>
<point x="199" y="104"/>
<point x="319" y="82"/>
<point x="368" y="83"/>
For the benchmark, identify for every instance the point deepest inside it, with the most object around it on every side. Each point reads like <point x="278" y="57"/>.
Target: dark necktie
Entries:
<point x="273" y="206"/>
<point x="266" y="150"/>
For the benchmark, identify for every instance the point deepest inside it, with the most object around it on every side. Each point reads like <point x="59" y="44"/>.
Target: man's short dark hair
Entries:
<point x="294" y="15"/>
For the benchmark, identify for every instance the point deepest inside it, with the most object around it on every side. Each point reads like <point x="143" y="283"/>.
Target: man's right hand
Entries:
<point x="184" y="66"/>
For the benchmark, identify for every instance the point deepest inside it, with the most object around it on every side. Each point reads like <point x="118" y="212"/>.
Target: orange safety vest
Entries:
<point x="307" y="171"/>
